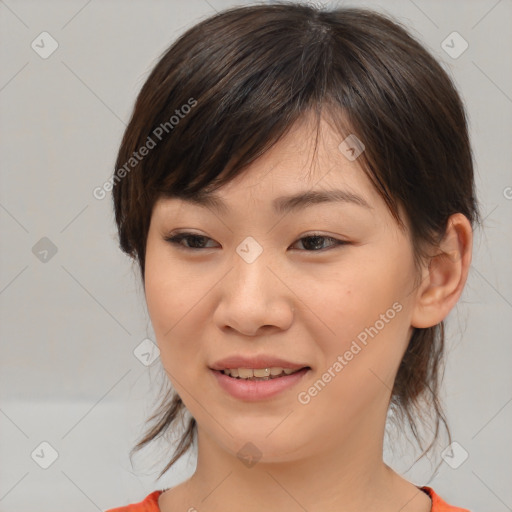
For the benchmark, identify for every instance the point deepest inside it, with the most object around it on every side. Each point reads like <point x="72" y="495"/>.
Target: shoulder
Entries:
<point x="438" y="504"/>
<point x="149" y="504"/>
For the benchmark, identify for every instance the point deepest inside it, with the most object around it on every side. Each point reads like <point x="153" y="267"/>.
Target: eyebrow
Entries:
<point x="285" y="204"/>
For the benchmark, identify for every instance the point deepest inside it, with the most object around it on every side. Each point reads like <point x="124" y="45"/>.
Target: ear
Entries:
<point x="444" y="278"/>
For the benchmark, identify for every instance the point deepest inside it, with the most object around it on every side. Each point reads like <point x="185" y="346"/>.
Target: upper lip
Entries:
<point x="261" y="361"/>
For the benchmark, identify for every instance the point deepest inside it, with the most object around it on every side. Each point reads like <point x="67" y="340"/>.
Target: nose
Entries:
<point x="254" y="299"/>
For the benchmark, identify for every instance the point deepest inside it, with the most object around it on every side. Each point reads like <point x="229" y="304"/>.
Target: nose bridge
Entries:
<point x="251" y="277"/>
<point x="251" y="295"/>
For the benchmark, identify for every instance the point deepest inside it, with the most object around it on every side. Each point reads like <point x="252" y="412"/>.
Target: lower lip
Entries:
<point x="252" y="390"/>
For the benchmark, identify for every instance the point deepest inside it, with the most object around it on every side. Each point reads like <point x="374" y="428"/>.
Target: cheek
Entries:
<point x="349" y="300"/>
<point x="172" y="298"/>
<point x="366" y="314"/>
<point x="359" y="361"/>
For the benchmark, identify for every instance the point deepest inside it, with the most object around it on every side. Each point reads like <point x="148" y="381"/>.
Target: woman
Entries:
<point x="296" y="185"/>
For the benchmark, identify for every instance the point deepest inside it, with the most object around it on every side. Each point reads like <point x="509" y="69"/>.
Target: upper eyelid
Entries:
<point x="187" y="234"/>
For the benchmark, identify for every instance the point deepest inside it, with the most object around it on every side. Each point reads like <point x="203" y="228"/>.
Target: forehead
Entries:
<point x="305" y="166"/>
<point x="306" y="153"/>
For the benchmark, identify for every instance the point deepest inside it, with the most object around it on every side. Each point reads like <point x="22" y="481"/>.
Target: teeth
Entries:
<point x="259" y="373"/>
<point x="245" y="373"/>
<point x="265" y="372"/>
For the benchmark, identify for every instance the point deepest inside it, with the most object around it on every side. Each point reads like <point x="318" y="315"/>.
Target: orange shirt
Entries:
<point x="150" y="503"/>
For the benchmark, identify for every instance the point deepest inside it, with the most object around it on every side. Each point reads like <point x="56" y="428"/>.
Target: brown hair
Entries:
<point x="231" y="86"/>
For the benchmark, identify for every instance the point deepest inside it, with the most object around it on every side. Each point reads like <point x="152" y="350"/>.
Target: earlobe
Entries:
<point x="446" y="274"/>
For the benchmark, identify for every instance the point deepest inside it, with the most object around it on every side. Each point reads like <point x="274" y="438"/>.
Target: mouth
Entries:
<point x="260" y="374"/>
<point x="247" y="385"/>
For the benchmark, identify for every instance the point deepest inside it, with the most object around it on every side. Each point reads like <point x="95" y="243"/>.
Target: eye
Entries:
<point x="194" y="241"/>
<point x="315" y="242"/>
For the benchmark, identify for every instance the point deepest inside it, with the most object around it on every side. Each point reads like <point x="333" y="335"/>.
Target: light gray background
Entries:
<point x="70" y="325"/>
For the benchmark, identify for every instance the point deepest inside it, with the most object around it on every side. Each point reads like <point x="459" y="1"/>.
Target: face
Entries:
<point x="326" y="284"/>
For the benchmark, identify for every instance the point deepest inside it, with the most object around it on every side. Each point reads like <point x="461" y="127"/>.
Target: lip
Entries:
<point x="252" y="391"/>
<point x="261" y="361"/>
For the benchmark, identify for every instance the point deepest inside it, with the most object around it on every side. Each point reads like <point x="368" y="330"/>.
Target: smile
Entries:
<point x="247" y="385"/>
<point x="258" y="374"/>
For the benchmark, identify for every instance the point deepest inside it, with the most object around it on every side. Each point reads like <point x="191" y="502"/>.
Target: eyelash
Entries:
<point x="176" y="240"/>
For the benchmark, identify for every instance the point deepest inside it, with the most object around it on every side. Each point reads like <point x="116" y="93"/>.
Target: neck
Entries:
<point x="348" y="476"/>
